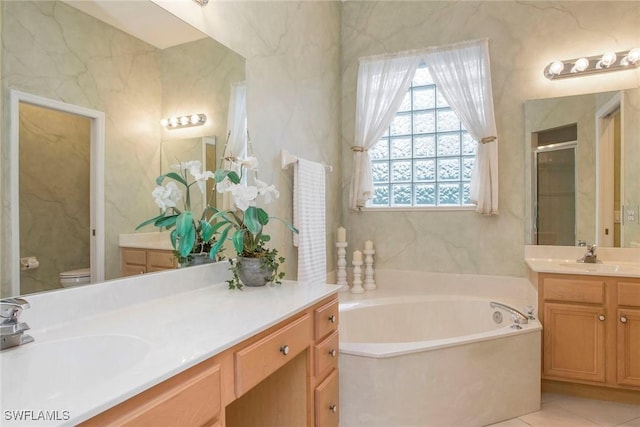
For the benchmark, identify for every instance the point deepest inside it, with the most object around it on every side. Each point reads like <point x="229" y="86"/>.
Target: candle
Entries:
<point x="368" y="245"/>
<point x="357" y="256"/>
<point x="342" y="234"/>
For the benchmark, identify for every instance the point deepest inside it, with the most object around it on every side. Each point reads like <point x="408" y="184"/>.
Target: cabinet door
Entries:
<point x="159" y="260"/>
<point x="574" y="340"/>
<point x="326" y="402"/>
<point x="629" y="347"/>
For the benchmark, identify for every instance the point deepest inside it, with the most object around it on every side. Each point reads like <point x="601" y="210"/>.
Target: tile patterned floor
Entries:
<point x="568" y="411"/>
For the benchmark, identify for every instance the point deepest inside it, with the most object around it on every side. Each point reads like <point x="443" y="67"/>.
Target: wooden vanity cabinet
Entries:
<point x="286" y="375"/>
<point x="591" y="329"/>
<point x="139" y="261"/>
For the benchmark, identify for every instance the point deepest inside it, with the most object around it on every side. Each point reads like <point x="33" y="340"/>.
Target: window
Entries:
<point x="426" y="156"/>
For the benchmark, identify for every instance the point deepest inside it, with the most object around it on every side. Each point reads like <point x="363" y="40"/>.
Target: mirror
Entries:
<point x="54" y="50"/>
<point x="583" y="154"/>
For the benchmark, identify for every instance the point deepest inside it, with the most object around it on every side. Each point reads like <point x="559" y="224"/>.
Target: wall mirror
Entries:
<point x="582" y="169"/>
<point x="136" y="63"/>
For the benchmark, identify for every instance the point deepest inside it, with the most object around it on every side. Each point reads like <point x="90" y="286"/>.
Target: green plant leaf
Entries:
<point x="167" y="221"/>
<point x="187" y="242"/>
<point x="172" y="175"/>
<point x="289" y="226"/>
<point x="265" y="237"/>
<point x="218" y="245"/>
<point x="150" y="221"/>
<point x="173" y="236"/>
<point x="206" y="230"/>
<point x="251" y="220"/>
<point x="185" y="233"/>
<point x="221" y="174"/>
<point x="263" y="216"/>
<point x="218" y="225"/>
<point x="238" y="241"/>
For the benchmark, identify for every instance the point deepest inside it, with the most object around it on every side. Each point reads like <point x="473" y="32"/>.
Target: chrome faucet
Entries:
<point x="590" y="256"/>
<point x="518" y="317"/>
<point x="11" y="329"/>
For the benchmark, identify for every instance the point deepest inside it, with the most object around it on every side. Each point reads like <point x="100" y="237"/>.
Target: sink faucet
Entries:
<point x="590" y="256"/>
<point x="11" y="329"/>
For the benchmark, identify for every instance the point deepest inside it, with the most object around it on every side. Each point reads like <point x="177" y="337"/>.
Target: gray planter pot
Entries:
<point x="252" y="273"/>
<point x="198" y="259"/>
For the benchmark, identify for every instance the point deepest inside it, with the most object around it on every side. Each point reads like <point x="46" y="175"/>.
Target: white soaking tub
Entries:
<point x="416" y="356"/>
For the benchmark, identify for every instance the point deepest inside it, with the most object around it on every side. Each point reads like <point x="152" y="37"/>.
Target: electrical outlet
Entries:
<point x="631" y="215"/>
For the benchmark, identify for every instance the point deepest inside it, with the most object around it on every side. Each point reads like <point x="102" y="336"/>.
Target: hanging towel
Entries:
<point x="309" y="219"/>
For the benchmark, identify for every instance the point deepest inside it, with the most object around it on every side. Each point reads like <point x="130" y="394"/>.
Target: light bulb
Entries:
<point x="164" y="122"/>
<point x="173" y="121"/>
<point x="580" y="65"/>
<point x="633" y="56"/>
<point x="607" y="60"/>
<point x="194" y="119"/>
<point x="556" y="68"/>
<point x="184" y="120"/>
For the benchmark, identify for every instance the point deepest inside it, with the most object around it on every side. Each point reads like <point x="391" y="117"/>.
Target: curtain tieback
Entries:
<point x="488" y="139"/>
<point x="358" y="149"/>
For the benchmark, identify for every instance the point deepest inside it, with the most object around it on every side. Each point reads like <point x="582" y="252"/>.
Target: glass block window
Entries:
<point x="426" y="156"/>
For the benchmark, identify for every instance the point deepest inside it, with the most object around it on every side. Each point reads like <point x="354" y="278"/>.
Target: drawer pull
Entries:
<point x="332" y="318"/>
<point x="333" y="352"/>
<point x="623" y="319"/>
<point x="333" y="408"/>
<point x="284" y="349"/>
<point x="601" y="317"/>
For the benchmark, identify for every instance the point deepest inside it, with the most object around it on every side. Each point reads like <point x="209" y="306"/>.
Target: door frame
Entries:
<point x="605" y="170"/>
<point x="97" y="203"/>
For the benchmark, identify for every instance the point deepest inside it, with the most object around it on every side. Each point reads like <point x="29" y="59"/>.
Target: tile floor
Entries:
<point x="560" y="410"/>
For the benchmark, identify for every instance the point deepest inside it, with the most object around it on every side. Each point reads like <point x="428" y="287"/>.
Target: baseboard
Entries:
<point x="591" y="391"/>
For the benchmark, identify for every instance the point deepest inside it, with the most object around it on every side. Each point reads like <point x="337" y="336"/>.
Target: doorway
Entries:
<point x="42" y="218"/>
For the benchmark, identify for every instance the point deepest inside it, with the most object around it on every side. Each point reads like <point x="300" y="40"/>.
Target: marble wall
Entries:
<point x="630" y="164"/>
<point x="524" y="37"/>
<point x="54" y="213"/>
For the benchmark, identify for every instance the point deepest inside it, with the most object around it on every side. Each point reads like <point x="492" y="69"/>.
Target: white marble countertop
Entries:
<point x="79" y="367"/>
<point x="620" y="262"/>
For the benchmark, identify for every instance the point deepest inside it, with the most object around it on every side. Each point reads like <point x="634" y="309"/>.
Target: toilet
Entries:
<point x="78" y="277"/>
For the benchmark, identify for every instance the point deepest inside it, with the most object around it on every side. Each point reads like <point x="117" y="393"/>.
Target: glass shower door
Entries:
<point x="556" y="194"/>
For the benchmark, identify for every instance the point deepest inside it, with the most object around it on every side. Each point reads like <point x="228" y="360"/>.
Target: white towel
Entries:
<point x="309" y="219"/>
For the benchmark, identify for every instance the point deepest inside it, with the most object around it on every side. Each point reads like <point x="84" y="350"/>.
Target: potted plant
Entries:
<point x="256" y="264"/>
<point x="191" y="237"/>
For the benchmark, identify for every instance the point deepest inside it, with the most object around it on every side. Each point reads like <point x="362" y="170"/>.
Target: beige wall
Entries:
<point x="55" y="150"/>
<point x="631" y="164"/>
<point x="524" y="37"/>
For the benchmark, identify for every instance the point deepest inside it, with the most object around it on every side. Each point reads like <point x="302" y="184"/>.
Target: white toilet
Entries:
<point x="78" y="277"/>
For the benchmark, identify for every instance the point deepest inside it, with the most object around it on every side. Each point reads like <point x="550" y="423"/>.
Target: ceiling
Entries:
<point x="142" y="19"/>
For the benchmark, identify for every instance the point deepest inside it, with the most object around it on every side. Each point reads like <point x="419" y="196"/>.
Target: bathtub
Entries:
<point x="432" y="355"/>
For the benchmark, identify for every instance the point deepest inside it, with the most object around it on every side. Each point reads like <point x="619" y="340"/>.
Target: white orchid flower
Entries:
<point x="201" y="179"/>
<point x="166" y="196"/>
<point x="269" y="192"/>
<point x="224" y="185"/>
<point x="191" y="166"/>
<point x="250" y="163"/>
<point x="243" y="196"/>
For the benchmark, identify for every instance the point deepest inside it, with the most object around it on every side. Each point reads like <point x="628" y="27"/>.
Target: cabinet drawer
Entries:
<point x="134" y="256"/>
<point x="629" y="294"/>
<point x="160" y="260"/>
<point x="260" y="359"/>
<point x="326" y="319"/>
<point x="574" y="290"/>
<point x="327" y="412"/>
<point x="326" y="354"/>
<point x="188" y="399"/>
<point x="132" y="270"/>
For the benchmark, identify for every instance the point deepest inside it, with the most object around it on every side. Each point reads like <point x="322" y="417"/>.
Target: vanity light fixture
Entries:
<point x="609" y="61"/>
<point x="184" y="121"/>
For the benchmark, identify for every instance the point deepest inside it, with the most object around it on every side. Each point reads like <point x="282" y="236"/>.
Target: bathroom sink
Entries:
<point x="38" y="371"/>
<point x="598" y="268"/>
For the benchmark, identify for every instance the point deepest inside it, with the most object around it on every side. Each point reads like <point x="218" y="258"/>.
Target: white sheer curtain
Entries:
<point x="462" y="74"/>
<point x="236" y="144"/>
<point x="382" y="84"/>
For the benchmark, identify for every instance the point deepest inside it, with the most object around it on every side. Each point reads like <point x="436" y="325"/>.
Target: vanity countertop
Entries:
<point x="620" y="262"/>
<point x="78" y="368"/>
<point x="151" y="240"/>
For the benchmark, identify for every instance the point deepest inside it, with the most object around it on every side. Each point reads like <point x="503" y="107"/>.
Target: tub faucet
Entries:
<point x="518" y="317"/>
<point x="590" y="256"/>
<point x="11" y="329"/>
